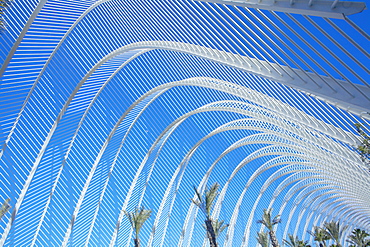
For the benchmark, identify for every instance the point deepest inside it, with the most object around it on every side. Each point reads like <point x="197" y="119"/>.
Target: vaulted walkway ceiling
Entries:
<point x="114" y="104"/>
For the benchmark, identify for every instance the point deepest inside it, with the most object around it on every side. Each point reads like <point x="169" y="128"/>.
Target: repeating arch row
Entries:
<point x="289" y="148"/>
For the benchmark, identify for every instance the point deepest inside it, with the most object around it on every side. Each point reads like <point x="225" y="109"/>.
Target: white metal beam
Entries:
<point x="322" y="8"/>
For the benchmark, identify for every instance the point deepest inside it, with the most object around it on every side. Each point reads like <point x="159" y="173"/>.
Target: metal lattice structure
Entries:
<point x="109" y="105"/>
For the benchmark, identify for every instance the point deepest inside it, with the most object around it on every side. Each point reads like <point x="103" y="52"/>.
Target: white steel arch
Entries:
<point x="108" y="105"/>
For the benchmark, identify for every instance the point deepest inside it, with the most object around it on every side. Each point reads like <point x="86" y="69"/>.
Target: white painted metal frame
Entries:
<point x="231" y="52"/>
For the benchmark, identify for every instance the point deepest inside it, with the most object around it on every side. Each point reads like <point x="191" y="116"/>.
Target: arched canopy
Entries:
<point x="109" y="105"/>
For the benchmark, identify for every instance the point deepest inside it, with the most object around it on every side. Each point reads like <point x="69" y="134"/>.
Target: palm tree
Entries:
<point x="267" y="222"/>
<point x="334" y="231"/>
<point x="137" y="220"/>
<point x="205" y="203"/>
<point x="358" y="238"/>
<point x="263" y="239"/>
<point x="4" y="208"/>
<point x="219" y="226"/>
<point x="295" y="242"/>
<point x="320" y="235"/>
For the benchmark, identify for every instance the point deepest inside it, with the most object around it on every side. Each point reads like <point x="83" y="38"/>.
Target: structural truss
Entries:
<point x="110" y="105"/>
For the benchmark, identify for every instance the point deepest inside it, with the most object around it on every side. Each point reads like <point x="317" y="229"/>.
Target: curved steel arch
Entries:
<point x="310" y="193"/>
<point x="250" y="218"/>
<point x="315" y="208"/>
<point x="39" y="7"/>
<point x="320" y="191"/>
<point x="325" y="203"/>
<point x="142" y="47"/>
<point x="293" y="190"/>
<point x="216" y="209"/>
<point x="112" y="55"/>
<point x="164" y="131"/>
<point x="256" y="174"/>
<point x="237" y="207"/>
<point x="246" y="233"/>
<point x="316" y="135"/>
<point x="164" y="201"/>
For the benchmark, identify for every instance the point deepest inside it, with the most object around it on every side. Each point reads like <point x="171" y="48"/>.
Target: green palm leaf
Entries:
<point x="137" y="219"/>
<point x="266" y="221"/>
<point x="334" y="231"/>
<point x="205" y="201"/>
<point x="4" y="208"/>
<point x="219" y="226"/>
<point x="320" y="235"/>
<point x="295" y="242"/>
<point x="359" y="238"/>
<point x="263" y="239"/>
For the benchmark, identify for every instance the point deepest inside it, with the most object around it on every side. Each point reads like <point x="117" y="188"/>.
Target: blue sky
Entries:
<point x="105" y="29"/>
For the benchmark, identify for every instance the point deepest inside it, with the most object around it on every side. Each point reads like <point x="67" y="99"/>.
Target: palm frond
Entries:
<point x="199" y="195"/>
<point x="334" y="231"/>
<point x="219" y="226"/>
<point x="261" y="222"/>
<point x="359" y="238"/>
<point x="138" y="218"/>
<point x="292" y="242"/>
<point x="263" y="239"/>
<point x="199" y="200"/>
<point x="320" y="235"/>
<point x="276" y="220"/>
<point x="295" y="242"/>
<point x="5" y="207"/>
<point x="211" y="195"/>
<point x="266" y="219"/>
<point x="205" y="201"/>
